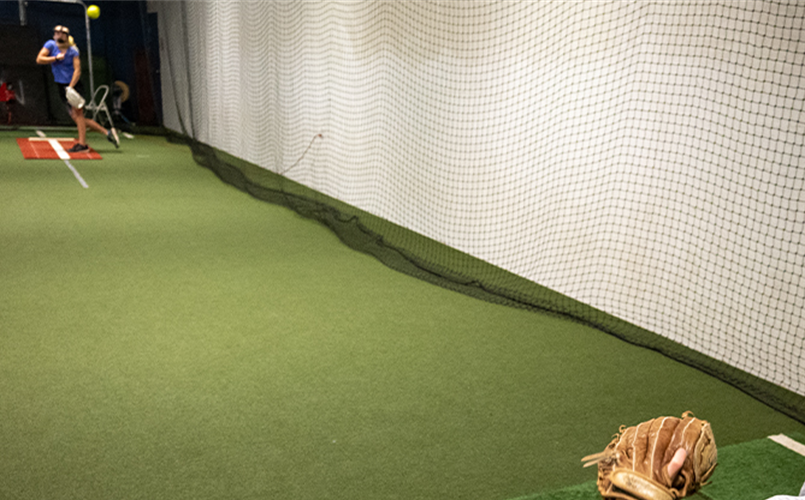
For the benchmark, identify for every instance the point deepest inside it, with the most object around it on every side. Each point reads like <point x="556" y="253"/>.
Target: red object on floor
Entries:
<point x="35" y="148"/>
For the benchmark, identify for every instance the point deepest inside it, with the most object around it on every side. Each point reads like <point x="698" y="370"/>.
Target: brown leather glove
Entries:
<point x="634" y="466"/>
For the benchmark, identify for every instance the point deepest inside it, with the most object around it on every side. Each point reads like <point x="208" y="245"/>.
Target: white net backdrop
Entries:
<point x="645" y="158"/>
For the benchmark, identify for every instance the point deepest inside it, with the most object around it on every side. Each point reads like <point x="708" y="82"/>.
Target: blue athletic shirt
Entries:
<point x="62" y="70"/>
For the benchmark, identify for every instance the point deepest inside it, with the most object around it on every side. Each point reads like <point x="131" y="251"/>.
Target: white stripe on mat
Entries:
<point x="59" y="150"/>
<point x="789" y="443"/>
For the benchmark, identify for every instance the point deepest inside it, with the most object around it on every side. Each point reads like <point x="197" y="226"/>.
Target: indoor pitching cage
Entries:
<point x="640" y="163"/>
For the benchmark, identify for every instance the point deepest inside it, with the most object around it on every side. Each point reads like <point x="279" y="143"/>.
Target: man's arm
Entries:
<point x="44" y="57"/>
<point x="76" y="71"/>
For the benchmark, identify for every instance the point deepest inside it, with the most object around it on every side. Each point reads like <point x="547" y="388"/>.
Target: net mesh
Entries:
<point x="642" y="160"/>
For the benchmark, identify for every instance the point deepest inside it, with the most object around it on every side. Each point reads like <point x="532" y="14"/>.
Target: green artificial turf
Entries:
<point x="164" y="335"/>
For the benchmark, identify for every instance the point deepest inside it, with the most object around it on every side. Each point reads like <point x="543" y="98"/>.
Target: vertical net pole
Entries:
<point x="89" y="53"/>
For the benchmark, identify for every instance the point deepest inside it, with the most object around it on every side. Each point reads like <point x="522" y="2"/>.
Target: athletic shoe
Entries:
<point x="111" y="136"/>
<point x="78" y="148"/>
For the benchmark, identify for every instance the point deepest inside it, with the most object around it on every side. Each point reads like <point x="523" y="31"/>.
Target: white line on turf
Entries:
<point x="77" y="175"/>
<point x="789" y="443"/>
<point x="54" y="143"/>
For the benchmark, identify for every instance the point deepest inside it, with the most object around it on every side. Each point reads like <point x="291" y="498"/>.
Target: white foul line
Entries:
<point x="66" y="157"/>
<point x="789" y="443"/>
<point x="77" y="175"/>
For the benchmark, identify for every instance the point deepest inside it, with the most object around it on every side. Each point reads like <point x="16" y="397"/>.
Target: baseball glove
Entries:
<point x="74" y="98"/>
<point x="634" y="466"/>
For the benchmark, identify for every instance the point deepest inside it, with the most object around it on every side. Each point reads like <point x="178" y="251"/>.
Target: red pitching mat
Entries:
<point x="46" y="148"/>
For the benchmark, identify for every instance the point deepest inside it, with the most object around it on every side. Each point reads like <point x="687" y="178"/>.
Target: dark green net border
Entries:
<point x="408" y="252"/>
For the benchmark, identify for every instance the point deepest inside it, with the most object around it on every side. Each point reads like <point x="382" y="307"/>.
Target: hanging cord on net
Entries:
<point x="317" y="136"/>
